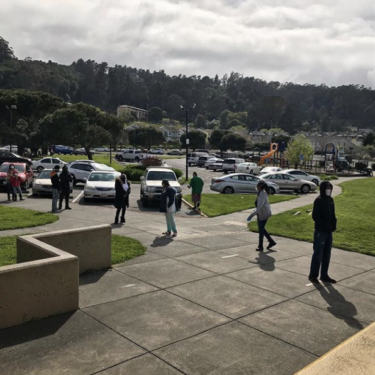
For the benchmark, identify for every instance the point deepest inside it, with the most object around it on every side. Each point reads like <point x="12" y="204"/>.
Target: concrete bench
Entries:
<point x="355" y="356"/>
<point x="45" y="280"/>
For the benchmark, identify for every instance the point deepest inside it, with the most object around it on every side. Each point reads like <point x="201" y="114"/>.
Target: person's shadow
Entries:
<point x="339" y="306"/>
<point x="265" y="262"/>
<point x="161" y="241"/>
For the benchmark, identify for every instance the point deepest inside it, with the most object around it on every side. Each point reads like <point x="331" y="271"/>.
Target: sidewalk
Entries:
<point x="204" y="303"/>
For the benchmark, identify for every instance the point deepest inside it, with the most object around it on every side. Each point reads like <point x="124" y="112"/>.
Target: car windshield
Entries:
<point x="5" y="167"/>
<point x="44" y="175"/>
<point x="161" y="175"/>
<point x="102" y="177"/>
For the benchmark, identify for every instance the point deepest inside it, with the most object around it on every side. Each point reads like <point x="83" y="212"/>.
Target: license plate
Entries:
<point x="103" y="195"/>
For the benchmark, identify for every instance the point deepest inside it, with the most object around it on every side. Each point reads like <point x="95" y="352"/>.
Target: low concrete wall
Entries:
<point x="45" y="282"/>
<point x="355" y="356"/>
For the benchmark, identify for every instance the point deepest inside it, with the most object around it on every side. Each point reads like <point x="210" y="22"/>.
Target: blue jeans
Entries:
<point x="171" y="223"/>
<point x="322" y="254"/>
<point x="55" y="198"/>
<point x="17" y="189"/>
<point x="9" y="189"/>
<point x="263" y="232"/>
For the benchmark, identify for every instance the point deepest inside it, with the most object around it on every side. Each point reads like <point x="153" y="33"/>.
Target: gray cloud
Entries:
<point x="315" y="41"/>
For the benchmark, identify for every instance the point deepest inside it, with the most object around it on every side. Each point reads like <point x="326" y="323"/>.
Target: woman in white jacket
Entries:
<point x="263" y="211"/>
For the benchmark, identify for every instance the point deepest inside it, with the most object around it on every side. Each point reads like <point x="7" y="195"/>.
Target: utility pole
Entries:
<point x="187" y="111"/>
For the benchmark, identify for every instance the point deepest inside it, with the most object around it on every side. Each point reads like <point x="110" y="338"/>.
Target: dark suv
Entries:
<point x="11" y="157"/>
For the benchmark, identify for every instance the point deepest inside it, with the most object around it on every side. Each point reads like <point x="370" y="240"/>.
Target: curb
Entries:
<point x="191" y="206"/>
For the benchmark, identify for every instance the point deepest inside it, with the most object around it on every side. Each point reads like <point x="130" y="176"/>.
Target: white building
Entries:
<point x="142" y="114"/>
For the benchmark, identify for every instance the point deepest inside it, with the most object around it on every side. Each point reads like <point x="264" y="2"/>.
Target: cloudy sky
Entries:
<point x="305" y="41"/>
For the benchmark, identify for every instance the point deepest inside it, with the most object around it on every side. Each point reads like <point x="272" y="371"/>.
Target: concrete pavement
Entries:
<point x="203" y="303"/>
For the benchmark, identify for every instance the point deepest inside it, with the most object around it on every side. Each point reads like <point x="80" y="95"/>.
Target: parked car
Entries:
<point x="43" y="184"/>
<point x="194" y="156"/>
<point x="217" y="166"/>
<point x="251" y="168"/>
<point x="288" y="182"/>
<point x="151" y="187"/>
<point x="80" y="171"/>
<point x="131" y="155"/>
<point x="47" y="163"/>
<point x="157" y="151"/>
<point x="25" y="174"/>
<point x="240" y="183"/>
<point x="102" y="149"/>
<point x="202" y="160"/>
<point x="270" y="169"/>
<point x="11" y="157"/>
<point x="174" y="152"/>
<point x="231" y="164"/>
<point x="212" y="160"/>
<point x="304" y="176"/>
<point x="62" y="150"/>
<point x="80" y="151"/>
<point x="100" y="185"/>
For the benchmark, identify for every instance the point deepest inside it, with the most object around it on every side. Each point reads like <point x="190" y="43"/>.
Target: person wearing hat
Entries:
<point x="54" y="175"/>
<point x="263" y="212"/>
<point x="325" y="224"/>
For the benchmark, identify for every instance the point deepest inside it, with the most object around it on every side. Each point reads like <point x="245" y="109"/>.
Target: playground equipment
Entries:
<point x="273" y="149"/>
<point x="333" y="160"/>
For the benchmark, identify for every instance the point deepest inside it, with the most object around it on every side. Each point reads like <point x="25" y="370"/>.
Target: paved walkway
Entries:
<point x="204" y="303"/>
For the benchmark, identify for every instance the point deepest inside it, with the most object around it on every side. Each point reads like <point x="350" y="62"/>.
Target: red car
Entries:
<point x="24" y="172"/>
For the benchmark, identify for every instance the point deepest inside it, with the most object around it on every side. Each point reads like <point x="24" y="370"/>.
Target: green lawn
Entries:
<point x="222" y="204"/>
<point x="123" y="249"/>
<point x="16" y="218"/>
<point x="355" y="219"/>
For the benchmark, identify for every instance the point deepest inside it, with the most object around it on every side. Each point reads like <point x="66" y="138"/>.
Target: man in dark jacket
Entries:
<point x="65" y="180"/>
<point x="54" y="175"/>
<point x="325" y="224"/>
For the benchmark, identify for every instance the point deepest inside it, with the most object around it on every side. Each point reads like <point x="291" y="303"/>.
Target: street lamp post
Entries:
<point x="187" y="111"/>
<point x="11" y="108"/>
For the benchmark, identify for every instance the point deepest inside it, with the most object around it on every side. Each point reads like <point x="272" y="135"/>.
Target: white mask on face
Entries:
<point x="328" y="192"/>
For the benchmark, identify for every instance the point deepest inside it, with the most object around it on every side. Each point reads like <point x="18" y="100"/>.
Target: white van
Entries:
<point x="194" y="156"/>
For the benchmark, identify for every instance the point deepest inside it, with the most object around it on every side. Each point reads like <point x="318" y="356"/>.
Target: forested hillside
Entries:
<point x="254" y="103"/>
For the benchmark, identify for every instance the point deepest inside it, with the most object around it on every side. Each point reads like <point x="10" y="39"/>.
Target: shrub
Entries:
<point x="359" y="166"/>
<point x="152" y="161"/>
<point x="134" y="172"/>
<point x="327" y="177"/>
<point x="178" y="172"/>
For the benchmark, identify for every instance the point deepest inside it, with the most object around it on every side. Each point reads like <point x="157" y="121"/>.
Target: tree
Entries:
<point x="224" y="119"/>
<point x="146" y="137"/>
<point x="233" y="141"/>
<point x="6" y="52"/>
<point x="300" y="145"/>
<point x="155" y="114"/>
<point x="216" y="137"/>
<point x="369" y="139"/>
<point x="200" y="122"/>
<point x="197" y="139"/>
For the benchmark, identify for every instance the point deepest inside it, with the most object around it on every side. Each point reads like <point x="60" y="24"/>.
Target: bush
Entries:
<point x="134" y="172"/>
<point x="178" y="172"/>
<point x="152" y="161"/>
<point x="359" y="166"/>
<point x="327" y="177"/>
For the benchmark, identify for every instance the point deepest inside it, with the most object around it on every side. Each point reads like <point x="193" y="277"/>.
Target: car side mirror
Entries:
<point x="142" y="178"/>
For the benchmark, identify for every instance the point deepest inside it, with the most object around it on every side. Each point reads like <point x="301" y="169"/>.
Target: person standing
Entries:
<point x="16" y="186"/>
<point x="123" y="189"/>
<point x="54" y="175"/>
<point x="263" y="211"/>
<point x="10" y="172"/>
<point x="168" y="206"/>
<point x="196" y="185"/>
<point x="325" y="224"/>
<point x="65" y="181"/>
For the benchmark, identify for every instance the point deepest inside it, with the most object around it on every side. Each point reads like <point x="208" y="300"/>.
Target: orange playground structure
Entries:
<point x="273" y="149"/>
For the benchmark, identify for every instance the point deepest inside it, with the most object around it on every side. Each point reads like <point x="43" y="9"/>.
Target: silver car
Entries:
<point x="240" y="183"/>
<point x="297" y="173"/>
<point x="43" y="184"/>
<point x="289" y="182"/>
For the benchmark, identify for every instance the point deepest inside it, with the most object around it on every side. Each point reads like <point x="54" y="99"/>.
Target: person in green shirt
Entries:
<point x="196" y="185"/>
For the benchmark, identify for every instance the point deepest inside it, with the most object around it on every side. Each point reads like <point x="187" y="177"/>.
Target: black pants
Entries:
<point x="64" y="194"/>
<point x="123" y="209"/>
<point x="322" y="254"/>
<point x="263" y="232"/>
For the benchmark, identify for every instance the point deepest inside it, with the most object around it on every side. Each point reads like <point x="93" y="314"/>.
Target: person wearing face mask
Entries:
<point x="325" y="224"/>
<point x="10" y="172"/>
<point x="263" y="212"/>
<point x="123" y="189"/>
<point x="16" y="186"/>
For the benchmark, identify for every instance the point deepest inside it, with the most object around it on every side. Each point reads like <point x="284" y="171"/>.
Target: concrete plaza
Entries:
<point x="203" y="303"/>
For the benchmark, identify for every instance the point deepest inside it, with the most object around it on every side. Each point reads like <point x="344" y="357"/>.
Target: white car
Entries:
<point x="270" y="170"/>
<point x="304" y="176"/>
<point x="102" y="149"/>
<point x="47" y="163"/>
<point x="100" y="185"/>
<point x="251" y="168"/>
<point x="211" y="161"/>
<point x="157" y="151"/>
<point x="43" y="184"/>
<point x="80" y="171"/>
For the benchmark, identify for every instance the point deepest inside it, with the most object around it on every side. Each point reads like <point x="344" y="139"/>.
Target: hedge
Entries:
<point x="135" y="172"/>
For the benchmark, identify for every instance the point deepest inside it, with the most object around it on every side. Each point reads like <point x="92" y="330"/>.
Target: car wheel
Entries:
<point x="136" y="160"/>
<point x="39" y="169"/>
<point x="86" y="200"/>
<point x="74" y="180"/>
<point x="36" y="194"/>
<point x="228" y="190"/>
<point x="271" y="191"/>
<point x="120" y="158"/>
<point x="26" y="186"/>
<point x="305" y="189"/>
<point x="316" y="182"/>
